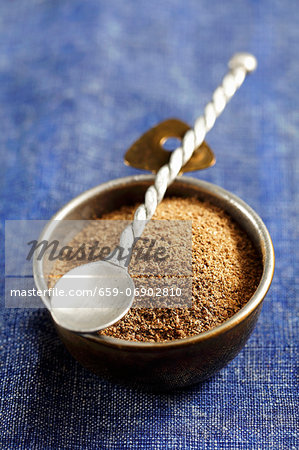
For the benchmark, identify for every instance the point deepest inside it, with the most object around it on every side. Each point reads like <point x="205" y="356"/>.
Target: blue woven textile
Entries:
<point x="79" y="82"/>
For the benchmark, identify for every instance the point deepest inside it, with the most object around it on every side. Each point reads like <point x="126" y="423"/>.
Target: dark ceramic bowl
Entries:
<point x="182" y="362"/>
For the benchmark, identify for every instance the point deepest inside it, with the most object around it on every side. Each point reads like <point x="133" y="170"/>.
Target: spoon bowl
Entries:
<point x="92" y="296"/>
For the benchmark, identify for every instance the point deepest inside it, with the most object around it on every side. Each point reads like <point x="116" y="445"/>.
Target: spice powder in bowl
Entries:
<point x="226" y="271"/>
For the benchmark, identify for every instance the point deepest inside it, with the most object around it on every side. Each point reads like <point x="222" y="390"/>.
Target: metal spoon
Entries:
<point x="100" y="310"/>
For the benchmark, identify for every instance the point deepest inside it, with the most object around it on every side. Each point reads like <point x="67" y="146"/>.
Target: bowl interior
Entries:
<point x="128" y="191"/>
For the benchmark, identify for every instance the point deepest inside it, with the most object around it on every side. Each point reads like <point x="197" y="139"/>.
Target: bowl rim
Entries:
<point x="242" y="314"/>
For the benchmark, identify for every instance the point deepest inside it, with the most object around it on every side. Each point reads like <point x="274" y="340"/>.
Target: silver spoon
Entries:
<point x="95" y="312"/>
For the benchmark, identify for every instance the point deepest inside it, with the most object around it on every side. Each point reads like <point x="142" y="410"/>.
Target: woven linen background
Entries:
<point x="79" y="82"/>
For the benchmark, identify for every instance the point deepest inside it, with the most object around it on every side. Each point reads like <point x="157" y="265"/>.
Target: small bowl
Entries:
<point x="181" y="362"/>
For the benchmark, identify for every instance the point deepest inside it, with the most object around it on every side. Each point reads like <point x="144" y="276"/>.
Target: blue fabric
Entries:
<point x="80" y="81"/>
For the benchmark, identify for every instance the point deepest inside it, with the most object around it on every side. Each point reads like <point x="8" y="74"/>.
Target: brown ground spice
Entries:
<point x="226" y="272"/>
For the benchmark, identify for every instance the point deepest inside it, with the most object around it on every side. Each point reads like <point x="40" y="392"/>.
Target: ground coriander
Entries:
<point x="226" y="272"/>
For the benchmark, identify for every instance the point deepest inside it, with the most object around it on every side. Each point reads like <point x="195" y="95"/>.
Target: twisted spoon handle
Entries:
<point x="240" y="65"/>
